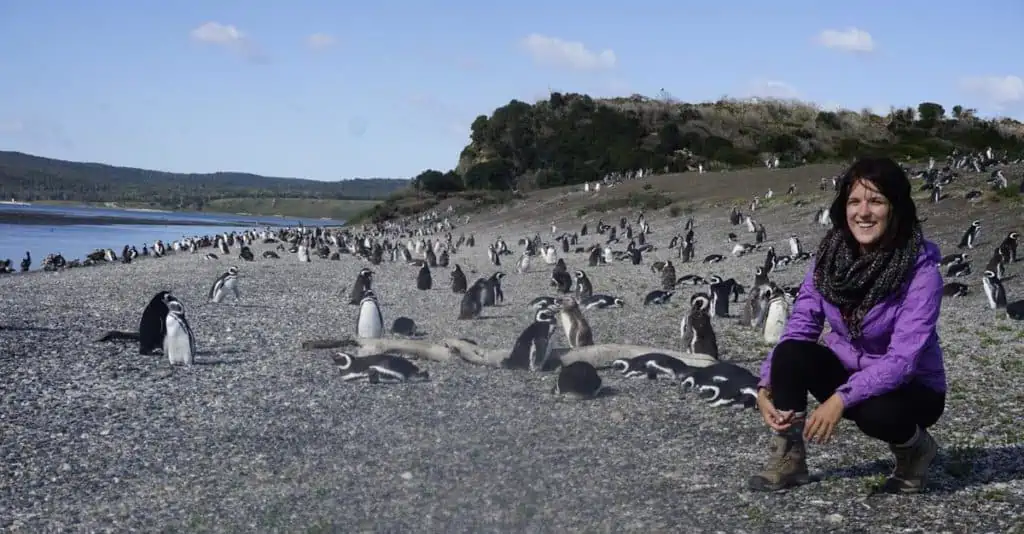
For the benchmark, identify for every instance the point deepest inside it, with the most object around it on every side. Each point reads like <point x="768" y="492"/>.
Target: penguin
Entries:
<point x="601" y="302"/>
<point x="955" y="289"/>
<point x="720" y="293"/>
<point x="562" y="280"/>
<point x="210" y="256"/>
<point x="303" y="253"/>
<point x="958" y="269"/>
<point x="153" y="325"/>
<point x="995" y="263"/>
<point x="698" y="334"/>
<point x="245" y="253"/>
<point x="370" y="321"/>
<point x="578" y="380"/>
<point x="270" y="255"/>
<point x="532" y="348"/>
<point x="362" y="284"/>
<point x="658" y="297"/>
<point x="994" y="290"/>
<point x="493" y="294"/>
<point x="950" y="259"/>
<point x="723" y="384"/>
<point x="1008" y="246"/>
<point x="459" y="282"/>
<point x="584" y="288"/>
<point x="651" y="365"/>
<point x="668" y="276"/>
<point x="404" y="326"/>
<point x="378" y="368"/>
<point x="224" y="283"/>
<point x="756" y="307"/>
<point x="1015" y="311"/>
<point x="574" y="324"/>
<point x="472" y="301"/>
<point x="523" y="265"/>
<point x="691" y="279"/>
<point x="794" y="246"/>
<point x="776" y="316"/>
<point x="713" y="258"/>
<point x="179" y="344"/>
<point x="423" y="280"/>
<point x="543" y="302"/>
<point x="971" y="235"/>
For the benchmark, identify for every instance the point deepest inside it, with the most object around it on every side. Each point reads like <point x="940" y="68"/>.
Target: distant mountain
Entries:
<point x="32" y="178"/>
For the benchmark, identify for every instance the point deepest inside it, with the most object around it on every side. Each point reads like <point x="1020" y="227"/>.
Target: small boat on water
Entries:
<point x="13" y="202"/>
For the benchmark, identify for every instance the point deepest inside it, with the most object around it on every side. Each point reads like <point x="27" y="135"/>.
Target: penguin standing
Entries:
<point x="224" y="283"/>
<point x="995" y="293"/>
<point x="459" y="282"/>
<point x="179" y="343"/>
<point x="153" y="325"/>
<point x="776" y="316"/>
<point x="370" y="322"/>
<point x="473" y="300"/>
<point x="577" y="330"/>
<point x="360" y="286"/>
<point x="303" y="253"/>
<point x="532" y="348"/>
<point x="423" y="280"/>
<point x="970" y="237"/>
<point x="668" y="277"/>
<point x="1008" y="246"/>
<point x="696" y="330"/>
<point x="584" y="288"/>
<point x="523" y="265"/>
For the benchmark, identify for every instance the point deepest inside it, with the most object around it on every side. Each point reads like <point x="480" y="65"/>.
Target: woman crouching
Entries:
<point x="876" y="281"/>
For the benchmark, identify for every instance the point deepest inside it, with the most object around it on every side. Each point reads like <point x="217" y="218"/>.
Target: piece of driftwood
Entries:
<point x="462" y="349"/>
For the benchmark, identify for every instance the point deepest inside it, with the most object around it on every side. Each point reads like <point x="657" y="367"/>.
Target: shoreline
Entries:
<point x="49" y="218"/>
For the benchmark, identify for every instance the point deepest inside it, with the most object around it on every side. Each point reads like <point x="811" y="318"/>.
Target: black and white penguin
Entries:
<point x="695" y="329"/>
<point x="378" y="368"/>
<point x="668" y="276"/>
<point x="995" y="263"/>
<point x="955" y="289"/>
<point x="370" y="321"/>
<point x="601" y="302"/>
<point x="361" y="285"/>
<point x="153" y="324"/>
<point x="723" y="384"/>
<point x="562" y="280"/>
<point x="1015" y="310"/>
<point x="226" y="282"/>
<point x="179" y="343"/>
<point x="245" y="253"/>
<point x="423" y="280"/>
<point x="584" y="288"/>
<point x="543" y="302"/>
<point x="958" y="269"/>
<point x="404" y="326"/>
<point x="532" y="348"/>
<point x="950" y="259"/>
<point x="691" y="279"/>
<point x="658" y="297"/>
<point x="578" y="380"/>
<point x="721" y="291"/>
<point x="971" y="235"/>
<point x="459" y="281"/>
<point x="651" y="365"/>
<point x="713" y="258"/>
<point x="995" y="293"/>
<point x="210" y="256"/>
<point x="270" y="255"/>
<point x="473" y="300"/>
<point x="776" y="315"/>
<point x="574" y="324"/>
<point x="492" y="289"/>
<point x="1009" y="246"/>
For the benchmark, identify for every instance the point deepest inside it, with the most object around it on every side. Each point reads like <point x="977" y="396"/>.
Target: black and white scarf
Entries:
<point x="855" y="282"/>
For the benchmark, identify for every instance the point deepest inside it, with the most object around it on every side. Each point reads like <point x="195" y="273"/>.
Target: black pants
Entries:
<point x="802" y="367"/>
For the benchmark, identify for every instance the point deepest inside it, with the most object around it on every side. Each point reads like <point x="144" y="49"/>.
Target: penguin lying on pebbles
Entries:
<point x="404" y="326"/>
<point x="543" y="302"/>
<point x="378" y="368"/>
<point x="723" y="384"/>
<point x="658" y="297"/>
<point x="651" y="365"/>
<point x="578" y="380"/>
<point x="601" y="302"/>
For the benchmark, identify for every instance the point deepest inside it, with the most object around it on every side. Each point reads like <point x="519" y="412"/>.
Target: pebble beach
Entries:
<point x="261" y="435"/>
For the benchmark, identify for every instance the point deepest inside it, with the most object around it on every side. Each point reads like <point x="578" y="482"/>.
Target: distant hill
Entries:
<point x="33" y="179"/>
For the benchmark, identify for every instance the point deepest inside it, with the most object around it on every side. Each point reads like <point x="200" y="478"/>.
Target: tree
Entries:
<point x="958" y="111"/>
<point x="433" y="181"/>
<point x="930" y="113"/>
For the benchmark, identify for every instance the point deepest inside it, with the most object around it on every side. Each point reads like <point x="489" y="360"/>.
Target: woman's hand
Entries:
<point x="776" y="420"/>
<point x="823" y="420"/>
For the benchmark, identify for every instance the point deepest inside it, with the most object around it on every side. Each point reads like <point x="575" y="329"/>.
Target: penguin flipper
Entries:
<point x="113" y="335"/>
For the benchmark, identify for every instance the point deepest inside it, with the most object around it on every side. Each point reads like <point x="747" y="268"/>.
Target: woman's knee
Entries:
<point x="793" y="354"/>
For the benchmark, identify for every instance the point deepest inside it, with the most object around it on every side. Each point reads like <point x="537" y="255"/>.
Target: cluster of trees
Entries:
<point x="31" y="178"/>
<point x="573" y="138"/>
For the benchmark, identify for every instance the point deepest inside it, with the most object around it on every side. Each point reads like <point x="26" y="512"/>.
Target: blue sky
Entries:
<point x="329" y="90"/>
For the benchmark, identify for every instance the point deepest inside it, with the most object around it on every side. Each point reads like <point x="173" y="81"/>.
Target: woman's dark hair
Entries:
<point x="892" y="182"/>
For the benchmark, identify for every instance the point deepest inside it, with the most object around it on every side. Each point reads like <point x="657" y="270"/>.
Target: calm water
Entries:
<point x="77" y="240"/>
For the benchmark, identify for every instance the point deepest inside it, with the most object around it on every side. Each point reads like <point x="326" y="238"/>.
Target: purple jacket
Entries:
<point x="899" y="340"/>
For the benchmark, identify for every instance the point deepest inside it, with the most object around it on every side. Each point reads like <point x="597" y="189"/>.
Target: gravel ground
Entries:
<point x="265" y="437"/>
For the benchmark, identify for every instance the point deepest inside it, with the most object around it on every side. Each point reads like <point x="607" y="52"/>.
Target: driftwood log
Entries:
<point x="452" y="349"/>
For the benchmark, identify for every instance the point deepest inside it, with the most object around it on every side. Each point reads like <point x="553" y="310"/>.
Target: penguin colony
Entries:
<point x="680" y="276"/>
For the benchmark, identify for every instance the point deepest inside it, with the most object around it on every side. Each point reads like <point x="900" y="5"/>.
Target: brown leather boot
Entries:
<point x="912" y="462"/>
<point x="787" y="464"/>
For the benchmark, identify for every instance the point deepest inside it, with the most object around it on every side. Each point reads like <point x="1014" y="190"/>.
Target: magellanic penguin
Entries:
<point x="532" y="348"/>
<point x="651" y="365"/>
<point x="459" y="282"/>
<point x="360" y="286"/>
<point x="370" y="322"/>
<point x="696" y="330"/>
<point x="303" y="253"/>
<point x="179" y="342"/>
<point x="1009" y="247"/>
<point x="584" y="288"/>
<point x="153" y="325"/>
<point x="601" y="302"/>
<point x="776" y="317"/>
<point x="658" y="297"/>
<point x="723" y="384"/>
<point x="995" y="293"/>
<point x="971" y="235"/>
<point x="378" y="368"/>
<point x="578" y="380"/>
<point x="224" y="283"/>
<point x="473" y="300"/>
<point x="423" y="280"/>
<point x="574" y="324"/>
<point x="955" y="289"/>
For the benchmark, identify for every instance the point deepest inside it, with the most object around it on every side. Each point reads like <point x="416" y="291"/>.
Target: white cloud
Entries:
<point x="998" y="91"/>
<point x="574" y="55"/>
<point x="320" y="41"/>
<point x="848" y="40"/>
<point x="229" y="37"/>
<point x="772" y="89"/>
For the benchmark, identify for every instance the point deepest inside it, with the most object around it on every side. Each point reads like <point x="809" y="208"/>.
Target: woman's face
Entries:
<point x="867" y="214"/>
